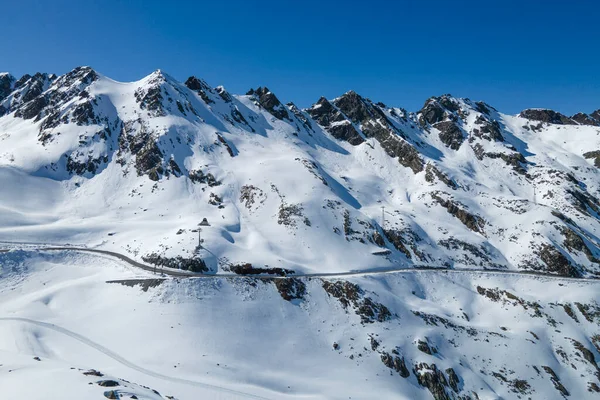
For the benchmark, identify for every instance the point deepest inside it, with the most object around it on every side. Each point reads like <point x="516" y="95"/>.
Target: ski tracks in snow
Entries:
<point x="111" y="354"/>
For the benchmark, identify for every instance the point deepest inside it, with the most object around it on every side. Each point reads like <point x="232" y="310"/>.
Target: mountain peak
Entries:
<point x="6" y="84"/>
<point x="270" y="102"/>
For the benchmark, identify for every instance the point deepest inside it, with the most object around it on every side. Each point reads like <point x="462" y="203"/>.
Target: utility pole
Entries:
<point x="382" y="217"/>
<point x="199" y="238"/>
<point x="534" y="195"/>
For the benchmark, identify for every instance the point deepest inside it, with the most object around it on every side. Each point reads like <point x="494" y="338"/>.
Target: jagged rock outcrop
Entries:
<point x="545" y="115"/>
<point x="270" y="102"/>
<point x="374" y="123"/>
<point x="200" y="87"/>
<point x="6" y="85"/>
<point x="585" y="119"/>
<point x="334" y="122"/>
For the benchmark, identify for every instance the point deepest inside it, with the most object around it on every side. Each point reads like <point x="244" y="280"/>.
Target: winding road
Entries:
<point x="186" y="274"/>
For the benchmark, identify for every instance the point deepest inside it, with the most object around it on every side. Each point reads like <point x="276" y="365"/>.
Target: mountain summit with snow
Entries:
<point x="460" y="184"/>
<point x="350" y="250"/>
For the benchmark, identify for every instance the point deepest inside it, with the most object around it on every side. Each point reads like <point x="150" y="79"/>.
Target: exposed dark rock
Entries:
<point x="438" y="109"/>
<point x="432" y="112"/>
<point x="507" y="297"/>
<point x="355" y="108"/>
<point x="556" y="381"/>
<point x="387" y="360"/>
<point x="586" y="353"/>
<point x="198" y="176"/>
<point x="556" y="262"/>
<point x="375" y="124"/>
<point x="173" y="167"/>
<point x="346" y="131"/>
<point x="149" y="160"/>
<point x="378" y="239"/>
<point x="471" y="221"/>
<point x="32" y="109"/>
<point x="424" y="347"/>
<point x="374" y="343"/>
<point x="325" y="113"/>
<point x="270" y="102"/>
<point x="93" y="372"/>
<point x="450" y="134"/>
<point x="112" y="394"/>
<point x="516" y="160"/>
<point x="589" y="311"/>
<point x="151" y="99"/>
<point x="431" y="172"/>
<point x="544" y="115"/>
<point x="488" y="130"/>
<point x="83" y="114"/>
<point x="574" y="242"/>
<point x="108" y="383"/>
<point x="74" y="166"/>
<point x="453" y="379"/>
<point x="436" y="320"/>
<point x="289" y="213"/>
<point x="470" y="254"/>
<point x="6" y="84"/>
<point x="188" y="264"/>
<point x="224" y="94"/>
<point x="569" y="310"/>
<point x="300" y="115"/>
<point x="595" y="155"/>
<point x="144" y="284"/>
<point x="433" y="379"/>
<point x="200" y="87"/>
<point x="249" y="269"/>
<point x="583" y="201"/>
<point x="371" y="311"/>
<point x="482" y="107"/>
<point x="584" y="119"/>
<point x="520" y="386"/>
<point x="290" y="288"/>
<point x="227" y="146"/>
<point x="395" y="237"/>
<point x="395" y="363"/>
<point x="215" y="200"/>
<point x="334" y="122"/>
<point x="350" y="294"/>
<point x="249" y="195"/>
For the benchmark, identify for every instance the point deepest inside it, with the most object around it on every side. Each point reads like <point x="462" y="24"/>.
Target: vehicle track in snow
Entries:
<point x="121" y="360"/>
<point x="186" y="274"/>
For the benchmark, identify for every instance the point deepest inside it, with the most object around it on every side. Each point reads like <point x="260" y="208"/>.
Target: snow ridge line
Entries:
<point x="124" y="361"/>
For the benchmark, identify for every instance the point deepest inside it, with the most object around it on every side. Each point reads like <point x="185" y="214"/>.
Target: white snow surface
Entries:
<point x="134" y="167"/>
<point x="227" y="338"/>
<point x="333" y="191"/>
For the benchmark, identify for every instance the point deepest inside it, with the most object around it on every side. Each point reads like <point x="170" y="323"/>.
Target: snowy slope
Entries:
<point x="415" y="335"/>
<point x="462" y="185"/>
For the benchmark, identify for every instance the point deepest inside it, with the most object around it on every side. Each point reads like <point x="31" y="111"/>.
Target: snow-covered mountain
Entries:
<point x="345" y="185"/>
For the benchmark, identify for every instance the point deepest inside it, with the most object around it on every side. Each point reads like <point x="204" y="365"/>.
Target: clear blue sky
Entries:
<point x="512" y="54"/>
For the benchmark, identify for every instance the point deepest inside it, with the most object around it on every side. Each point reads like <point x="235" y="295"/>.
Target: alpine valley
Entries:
<point x="351" y="250"/>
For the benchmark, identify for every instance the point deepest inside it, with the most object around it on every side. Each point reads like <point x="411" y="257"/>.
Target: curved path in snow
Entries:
<point x="186" y="274"/>
<point x="124" y="361"/>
